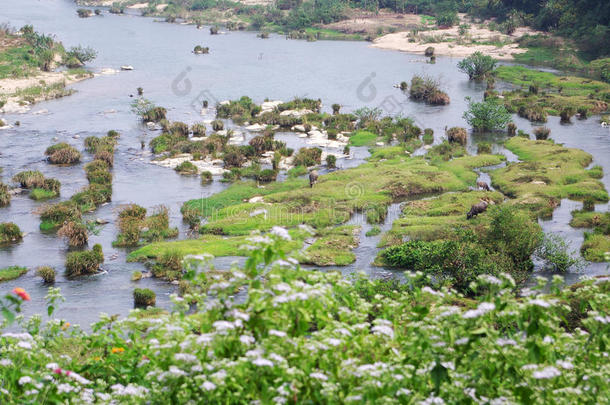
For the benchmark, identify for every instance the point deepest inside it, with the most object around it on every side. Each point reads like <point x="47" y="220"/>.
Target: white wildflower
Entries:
<point x="602" y="319"/>
<point x="246" y="339"/>
<point x="262" y="362"/>
<point x="565" y="364"/>
<point x="64" y="388"/>
<point x="482" y="309"/>
<point x="24" y="345"/>
<point x="208" y="386"/>
<point x="540" y="302"/>
<point x="403" y="391"/>
<point x="529" y="367"/>
<point x="6" y="362"/>
<point x="277" y="333"/>
<point x="547" y="372"/>
<point x="461" y="341"/>
<point x="186" y="357"/>
<point x="25" y="380"/>
<point x="490" y="279"/>
<point x="223" y="325"/>
<point x="176" y="371"/>
<point x="281" y="232"/>
<point x="353" y="398"/>
<point x="505" y="342"/>
<point x="319" y="376"/>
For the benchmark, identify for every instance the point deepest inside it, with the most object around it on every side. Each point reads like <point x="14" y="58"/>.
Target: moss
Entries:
<point x="11" y="273"/>
<point x="9" y="233"/>
<point x="362" y="138"/>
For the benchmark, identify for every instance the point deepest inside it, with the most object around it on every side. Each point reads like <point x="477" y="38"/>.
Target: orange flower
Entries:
<point x="65" y="326"/>
<point x="117" y="350"/>
<point x="20" y="292"/>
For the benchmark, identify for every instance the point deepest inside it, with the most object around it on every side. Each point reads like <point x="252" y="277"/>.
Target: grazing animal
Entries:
<point x="476" y="209"/>
<point x="483" y="185"/>
<point x="313" y="178"/>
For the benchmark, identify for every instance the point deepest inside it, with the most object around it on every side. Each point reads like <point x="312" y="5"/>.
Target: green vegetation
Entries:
<point x="477" y="66"/>
<point x="487" y="115"/>
<point x="333" y="247"/>
<point x="303" y="329"/>
<point x="85" y="262"/>
<point x="362" y="138"/>
<point x="596" y="246"/>
<point x="548" y="93"/>
<point x="135" y="226"/>
<point x="5" y="197"/>
<point x="428" y="90"/>
<point x="11" y="273"/>
<point x="63" y="154"/>
<point x="9" y="233"/>
<point x="147" y="111"/>
<point x="548" y="172"/>
<point x="41" y="187"/>
<point x="187" y="168"/>
<point x="46" y="273"/>
<point x="76" y="233"/>
<point x="144" y="297"/>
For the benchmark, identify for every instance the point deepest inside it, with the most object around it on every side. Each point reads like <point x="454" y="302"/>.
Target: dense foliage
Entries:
<point x="307" y="336"/>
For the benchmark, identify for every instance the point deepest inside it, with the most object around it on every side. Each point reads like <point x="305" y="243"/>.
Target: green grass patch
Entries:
<point x="11" y="273"/>
<point x="42" y="194"/>
<point x="362" y="138"/>
<point x="596" y="247"/>
<point x="333" y="247"/>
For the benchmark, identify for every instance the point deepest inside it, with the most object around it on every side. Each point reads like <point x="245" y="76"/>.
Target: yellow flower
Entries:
<point x="65" y="326"/>
<point x="97" y="358"/>
<point x="117" y="350"/>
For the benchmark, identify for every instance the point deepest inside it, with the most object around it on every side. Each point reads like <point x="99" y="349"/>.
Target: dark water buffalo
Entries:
<point x="476" y="209"/>
<point x="313" y="178"/>
<point x="483" y="185"/>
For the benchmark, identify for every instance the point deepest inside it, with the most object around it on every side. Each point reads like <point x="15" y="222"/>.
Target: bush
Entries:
<point x="308" y="157"/>
<point x="9" y="233"/>
<point x="198" y="129"/>
<point x="82" y="54"/>
<point x="428" y="136"/>
<point x="47" y="274"/>
<point x="83" y="263"/>
<point x="429" y="51"/>
<point x="534" y="114"/>
<point x="29" y="179"/>
<point x="144" y="297"/>
<point x="477" y="66"/>
<point x="331" y="161"/>
<point x="336" y="108"/>
<point x="187" y="168"/>
<point x="566" y="114"/>
<point x="427" y="89"/>
<point x="63" y="154"/>
<point x="76" y="233"/>
<point x="266" y="175"/>
<point x="487" y="115"/>
<point x="511" y="129"/>
<point x="457" y="135"/>
<point x="218" y="125"/>
<point x="83" y="12"/>
<point x="542" y="133"/>
<point x="555" y="253"/>
<point x="55" y="215"/>
<point x="168" y="266"/>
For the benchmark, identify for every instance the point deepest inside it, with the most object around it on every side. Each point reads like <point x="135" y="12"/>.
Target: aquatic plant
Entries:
<point x="62" y="153"/>
<point x="53" y="216"/>
<point x="29" y="179"/>
<point x="75" y="232"/>
<point x="542" y="133"/>
<point x="186" y="168"/>
<point x="428" y="137"/>
<point x="144" y="297"/>
<point x="331" y="161"/>
<point x="85" y="262"/>
<point x="198" y="129"/>
<point x="483" y="147"/>
<point x="47" y="274"/>
<point x="84" y="12"/>
<point x="457" y="135"/>
<point x="511" y="128"/>
<point x="308" y="157"/>
<point x="5" y="196"/>
<point x="9" y="233"/>
<point x="218" y="125"/>
<point x="206" y="177"/>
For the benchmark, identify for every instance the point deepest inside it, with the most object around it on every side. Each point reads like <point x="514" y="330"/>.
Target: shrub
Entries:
<point x="198" y="129"/>
<point x="346" y="150"/>
<point x="487" y="115"/>
<point x="331" y="161"/>
<point x="542" y="133"/>
<point x="308" y="157"/>
<point x="29" y="179"/>
<point x="83" y="12"/>
<point x="429" y="51"/>
<point x="566" y="114"/>
<point x="62" y="153"/>
<point x="555" y="253"/>
<point x="47" y="274"/>
<point x="214" y="30"/>
<point x="83" y="263"/>
<point x="427" y="89"/>
<point x="55" y="215"/>
<point x="233" y="157"/>
<point x="76" y="232"/>
<point x="534" y="114"/>
<point x="583" y="112"/>
<point x="404" y="86"/>
<point x="9" y="233"/>
<point x="187" y="168"/>
<point x="266" y="175"/>
<point x="144" y="297"/>
<point x="168" y="266"/>
<point x="511" y="129"/>
<point x="201" y="50"/>
<point x="428" y="136"/>
<point x="457" y="135"/>
<point x="218" y="125"/>
<point x="336" y="108"/>
<point x="477" y="66"/>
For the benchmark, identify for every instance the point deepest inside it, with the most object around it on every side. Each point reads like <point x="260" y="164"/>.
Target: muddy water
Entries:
<point x="349" y="73"/>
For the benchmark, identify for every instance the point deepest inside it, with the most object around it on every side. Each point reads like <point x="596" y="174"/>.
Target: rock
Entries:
<point x="126" y="67"/>
<point x="76" y="136"/>
<point x="302" y="135"/>
<point x="101" y="221"/>
<point x="152" y="126"/>
<point x="379" y="143"/>
<point x="256" y="127"/>
<point x="299" y="128"/>
<point x="256" y="199"/>
<point x="269" y="106"/>
<point x="40" y="112"/>
<point x="295" y="113"/>
<point x="15" y="191"/>
<point x="145" y="229"/>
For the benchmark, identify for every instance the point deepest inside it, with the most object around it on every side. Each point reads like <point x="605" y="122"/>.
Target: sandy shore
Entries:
<point x="449" y="42"/>
<point x="10" y="87"/>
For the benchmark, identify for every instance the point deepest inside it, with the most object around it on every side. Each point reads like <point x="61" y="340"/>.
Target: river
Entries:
<point x="349" y="73"/>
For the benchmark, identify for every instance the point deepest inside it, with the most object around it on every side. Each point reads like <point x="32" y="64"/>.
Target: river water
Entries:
<point x="349" y="73"/>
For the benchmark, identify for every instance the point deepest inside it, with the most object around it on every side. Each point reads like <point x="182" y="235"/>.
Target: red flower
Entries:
<point x="20" y="292"/>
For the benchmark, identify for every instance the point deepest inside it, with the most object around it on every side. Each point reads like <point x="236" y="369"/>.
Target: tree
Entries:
<point x="83" y="54"/>
<point x="487" y="115"/>
<point x="477" y="66"/>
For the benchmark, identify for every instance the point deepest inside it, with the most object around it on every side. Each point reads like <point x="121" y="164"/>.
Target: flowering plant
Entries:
<point x="276" y="333"/>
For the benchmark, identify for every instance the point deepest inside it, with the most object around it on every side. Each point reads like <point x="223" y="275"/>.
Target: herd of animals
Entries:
<point x="475" y="209"/>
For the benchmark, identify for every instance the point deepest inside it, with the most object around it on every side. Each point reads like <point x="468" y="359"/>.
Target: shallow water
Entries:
<point x="239" y="63"/>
